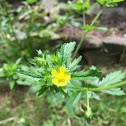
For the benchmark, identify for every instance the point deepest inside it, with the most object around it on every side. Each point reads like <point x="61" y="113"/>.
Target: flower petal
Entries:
<point x="55" y="81"/>
<point x="67" y="77"/>
<point x="54" y="72"/>
<point x="62" y="69"/>
<point x="63" y="83"/>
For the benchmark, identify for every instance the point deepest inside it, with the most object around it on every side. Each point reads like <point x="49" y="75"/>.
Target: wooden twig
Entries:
<point x="7" y="120"/>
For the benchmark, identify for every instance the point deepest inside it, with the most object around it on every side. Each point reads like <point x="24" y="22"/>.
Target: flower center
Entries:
<point x="60" y="77"/>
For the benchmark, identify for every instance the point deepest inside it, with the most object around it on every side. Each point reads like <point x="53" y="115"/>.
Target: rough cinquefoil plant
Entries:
<point x="60" y="72"/>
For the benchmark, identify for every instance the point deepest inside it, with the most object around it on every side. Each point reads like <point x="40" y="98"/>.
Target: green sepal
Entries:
<point x="39" y="61"/>
<point x="80" y="114"/>
<point x="63" y="92"/>
<point x="43" y="89"/>
<point x="84" y="107"/>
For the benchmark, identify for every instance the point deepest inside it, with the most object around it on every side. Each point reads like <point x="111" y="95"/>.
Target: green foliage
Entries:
<point x="65" y="53"/>
<point x="31" y="1"/>
<point x="72" y="101"/>
<point x="80" y="6"/>
<point x="91" y="74"/>
<point x="63" y="20"/>
<point x="82" y="84"/>
<point x="19" y="39"/>
<point x="112" y="78"/>
<point x="109" y="80"/>
<point x="109" y="3"/>
<point x="8" y="73"/>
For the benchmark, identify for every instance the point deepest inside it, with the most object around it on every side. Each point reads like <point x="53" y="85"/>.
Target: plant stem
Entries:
<point x="97" y="16"/>
<point x="100" y="88"/>
<point x="84" y="21"/>
<point x="79" y="45"/>
<point x="88" y="108"/>
<point x="85" y="32"/>
<point x="108" y="87"/>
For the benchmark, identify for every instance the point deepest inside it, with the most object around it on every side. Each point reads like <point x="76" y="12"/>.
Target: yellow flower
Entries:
<point x="60" y="77"/>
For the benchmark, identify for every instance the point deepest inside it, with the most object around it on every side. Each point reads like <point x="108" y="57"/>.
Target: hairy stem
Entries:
<point x="100" y="88"/>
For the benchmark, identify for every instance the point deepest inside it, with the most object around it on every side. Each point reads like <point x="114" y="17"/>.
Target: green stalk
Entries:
<point x="85" y="32"/>
<point x="88" y="107"/>
<point x="79" y="45"/>
<point x="84" y="21"/>
<point x="108" y="87"/>
<point x="97" y="16"/>
<point x="100" y="88"/>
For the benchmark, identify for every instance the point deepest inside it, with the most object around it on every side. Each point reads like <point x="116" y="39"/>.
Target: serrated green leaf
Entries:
<point x="31" y="1"/>
<point x="20" y="82"/>
<point x="80" y="114"/>
<point x="56" y="89"/>
<point x="112" y="78"/>
<point x="100" y="28"/>
<point x="32" y="74"/>
<point x="114" y="91"/>
<point x="32" y="61"/>
<point x="105" y="2"/>
<point x="64" y="56"/>
<point x="18" y="61"/>
<point x="74" y="63"/>
<point x="42" y="90"/>
<point x="63" y="92"/>
<point x="34" y="89"/>
<point x="72" y="101"/>
<point x="95" y="96"/>
<point x="11" y="83"/>
<point x="84" y="107"/>
<point x="115" y="1"/>
<point x="91" y="74"/>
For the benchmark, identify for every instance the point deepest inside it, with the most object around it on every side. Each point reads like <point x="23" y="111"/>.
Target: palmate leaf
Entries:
<point x="64" y="56"/>
<point x="91" y="74"/>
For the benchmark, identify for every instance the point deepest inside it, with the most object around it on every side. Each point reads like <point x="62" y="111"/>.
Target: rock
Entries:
<point x="114" y="10"/>
<point x="64" y="10"/>
<point x="123" y="60"/>
<point x="90" y="41"/>
<point x="94" y="10"/>
<point x="114" y="43"/>
<point x="98" y="57"/>
<point x="20" y="35"/>
<point x="49" y="7"/>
